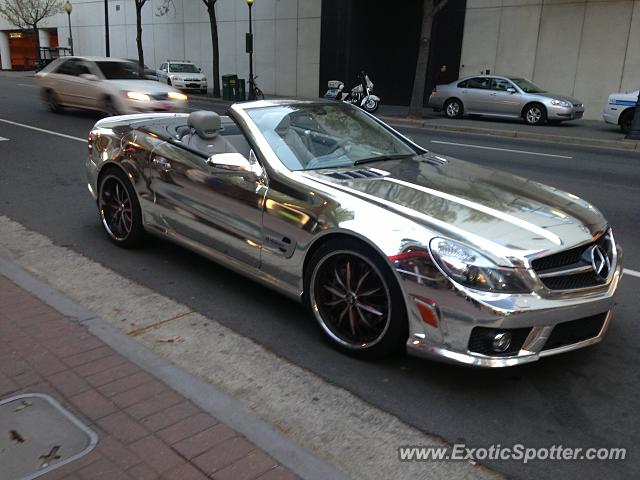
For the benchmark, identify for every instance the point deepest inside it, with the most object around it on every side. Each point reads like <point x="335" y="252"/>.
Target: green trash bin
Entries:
<point x="228" y="87"/>
<point x="241" y="90"/>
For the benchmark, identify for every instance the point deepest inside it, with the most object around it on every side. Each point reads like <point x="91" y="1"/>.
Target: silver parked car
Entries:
<point x="508" y="97"/>
<point x="389" y="245"/>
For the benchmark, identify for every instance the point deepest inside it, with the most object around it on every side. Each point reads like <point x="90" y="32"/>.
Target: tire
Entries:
<point x="356" y="300"/>
<point x="453" y="108"/>
<point x="626" y="120"/>
<point x="203" y="91"/>
<point x="168" y="81"/>
<point x="258" y="94"/>
<point x="109" y="107"/>
<point x="370" y="106"/>
<point x="119" y="209"/>
<point x="535" y="114"/>
<point x="53" y="102"/>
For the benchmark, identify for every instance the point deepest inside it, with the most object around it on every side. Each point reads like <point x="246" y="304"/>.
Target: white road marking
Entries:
<point x="2" y="139"/>
<point x="500" y="149"/>
<point x="633" y="273"/>
<point x="50" y="132"/>
<point x="27" y="85"/>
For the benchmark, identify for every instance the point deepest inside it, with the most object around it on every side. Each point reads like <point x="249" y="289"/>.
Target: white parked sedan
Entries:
<point x="182" y="74"/>
<point x="620" y="108"/>
<point x="105" y="84"/>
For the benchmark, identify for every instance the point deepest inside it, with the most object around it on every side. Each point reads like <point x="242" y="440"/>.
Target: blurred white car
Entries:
<point x="105" y="84"/>
<point x="182" y="74"/>
<point x="620" y="108"/>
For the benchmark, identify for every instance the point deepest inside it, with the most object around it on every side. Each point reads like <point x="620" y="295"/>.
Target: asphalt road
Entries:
<point x="588" y="398"/>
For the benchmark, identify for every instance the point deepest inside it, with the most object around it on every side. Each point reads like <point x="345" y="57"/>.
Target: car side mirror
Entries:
<point x="233" y="164"/>
<point x="90" y="76"/>
<point x="511" y="90"/>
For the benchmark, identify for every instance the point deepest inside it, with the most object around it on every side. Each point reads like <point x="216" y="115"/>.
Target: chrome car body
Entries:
<point x="506" y="97"/>
<point x="268" y="222"/>
<point x="81" y="82"/>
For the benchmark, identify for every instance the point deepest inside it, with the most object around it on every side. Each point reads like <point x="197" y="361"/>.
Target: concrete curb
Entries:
<point x="626" y="145"/>
<point x="206" y="396"/>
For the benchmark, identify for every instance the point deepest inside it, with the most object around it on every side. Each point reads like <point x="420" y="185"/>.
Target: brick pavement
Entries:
<point x="145" y="429"/>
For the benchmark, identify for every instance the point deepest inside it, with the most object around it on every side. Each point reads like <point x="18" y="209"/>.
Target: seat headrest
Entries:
<point x="206" y="124"/>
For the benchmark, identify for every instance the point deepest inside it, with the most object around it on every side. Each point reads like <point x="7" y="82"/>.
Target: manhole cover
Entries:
<point x="37" y="435"/>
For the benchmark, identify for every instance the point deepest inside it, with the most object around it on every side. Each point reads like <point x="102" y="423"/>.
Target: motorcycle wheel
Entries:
<point x="370" y="105"/>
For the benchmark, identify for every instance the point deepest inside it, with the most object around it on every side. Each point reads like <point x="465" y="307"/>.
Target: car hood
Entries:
<point x="461" y="200"/>
<point x="146" y="86"/>
<point x="557" y="96"/>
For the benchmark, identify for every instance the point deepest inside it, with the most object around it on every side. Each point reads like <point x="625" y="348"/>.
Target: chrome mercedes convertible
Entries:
<point x="389" y="245"/>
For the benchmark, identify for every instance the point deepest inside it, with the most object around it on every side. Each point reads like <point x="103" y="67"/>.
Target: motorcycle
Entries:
<point x="361" y="95"/>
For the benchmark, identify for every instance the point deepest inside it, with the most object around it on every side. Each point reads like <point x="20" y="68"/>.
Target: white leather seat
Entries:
<point x="204" y="134"/>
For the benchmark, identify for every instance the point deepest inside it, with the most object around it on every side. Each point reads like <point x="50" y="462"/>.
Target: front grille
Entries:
<point x="575" y="331"/>
<point x="570" y="282"/>
<point x="573" y="269"/>
<point x="481" y="340"/>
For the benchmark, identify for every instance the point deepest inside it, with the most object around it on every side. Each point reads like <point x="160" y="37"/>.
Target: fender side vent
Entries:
<point x="360" y="173"/>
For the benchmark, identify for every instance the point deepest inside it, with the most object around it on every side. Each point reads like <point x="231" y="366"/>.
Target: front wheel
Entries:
<point x="119" y="209"/>
<point x="356" y="299"/>
<point x="52" y="101"/>
<point x="109" y="107"/>
<point x="535" y="114"/>
<point x="257" y="94"/>
<point x="626" y="120"/>
<point x="453" y="108"/>
<point x="370" y="105"/>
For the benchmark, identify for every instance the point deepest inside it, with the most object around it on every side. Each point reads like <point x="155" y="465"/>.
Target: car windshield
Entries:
<point x="313" y="136"/>
<point x="119" y="70"/>
<point x="527" y="86"/>
<point x="183" y="68"/>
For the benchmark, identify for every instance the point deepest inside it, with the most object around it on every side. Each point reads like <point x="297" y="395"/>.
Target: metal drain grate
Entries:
<point x="38" y="435"/>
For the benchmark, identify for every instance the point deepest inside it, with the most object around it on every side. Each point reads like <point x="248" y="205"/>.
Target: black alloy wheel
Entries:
<point x="119" y="210"/>
<point x="356" y="300"/>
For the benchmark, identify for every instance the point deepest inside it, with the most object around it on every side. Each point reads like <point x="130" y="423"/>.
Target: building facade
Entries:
<point x="286" y="32"/>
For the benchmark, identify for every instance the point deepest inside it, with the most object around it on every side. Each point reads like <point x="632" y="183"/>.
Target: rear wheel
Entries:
<point x="109" y="107"/>
<point x="119" y="209"/>
<point x="203" y="91"/>
<point x="535" y="114"/>
<point x="52" y="101"/>
<point x="356" y="299"/>
<point x="626" y="119"/>
<point x="453" y="108"/>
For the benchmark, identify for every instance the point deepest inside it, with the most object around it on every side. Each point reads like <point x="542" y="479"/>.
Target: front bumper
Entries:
<point x="189" y="85"/>
<point x="459" y="311"/>
<point x="564" y="113"/>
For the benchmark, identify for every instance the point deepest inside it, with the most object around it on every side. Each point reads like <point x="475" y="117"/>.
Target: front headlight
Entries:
<point x="177" y="96"/>
<point x="472" y="269"/>
<point x="560" y="103"/>
<point x="141" y="97"/>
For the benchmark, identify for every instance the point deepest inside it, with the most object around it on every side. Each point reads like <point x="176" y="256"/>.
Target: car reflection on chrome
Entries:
<point x="390" y="246"/>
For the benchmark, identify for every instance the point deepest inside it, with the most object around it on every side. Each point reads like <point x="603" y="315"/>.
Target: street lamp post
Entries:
<point x="106" y="27"/>
<point x="250" y="52"/>
<point x="634" y="132"/>
<point x="68" y="8"/>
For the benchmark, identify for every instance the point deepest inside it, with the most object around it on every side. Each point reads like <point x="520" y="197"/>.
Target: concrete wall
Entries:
<point x="584" y="48"/>
<point x="286" y="37"/>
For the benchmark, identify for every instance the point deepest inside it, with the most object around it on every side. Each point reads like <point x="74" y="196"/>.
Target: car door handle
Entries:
<point x="162" y="163"/>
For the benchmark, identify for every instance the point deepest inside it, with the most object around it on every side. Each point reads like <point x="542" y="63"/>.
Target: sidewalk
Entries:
<point x="145" y="430"/>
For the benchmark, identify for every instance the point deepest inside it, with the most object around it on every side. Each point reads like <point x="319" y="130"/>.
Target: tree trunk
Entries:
<point x="215" y="54"/>
<point x="35" y="31"/>
<point x="419" y="81"/>
<point x="139" y="35"/>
